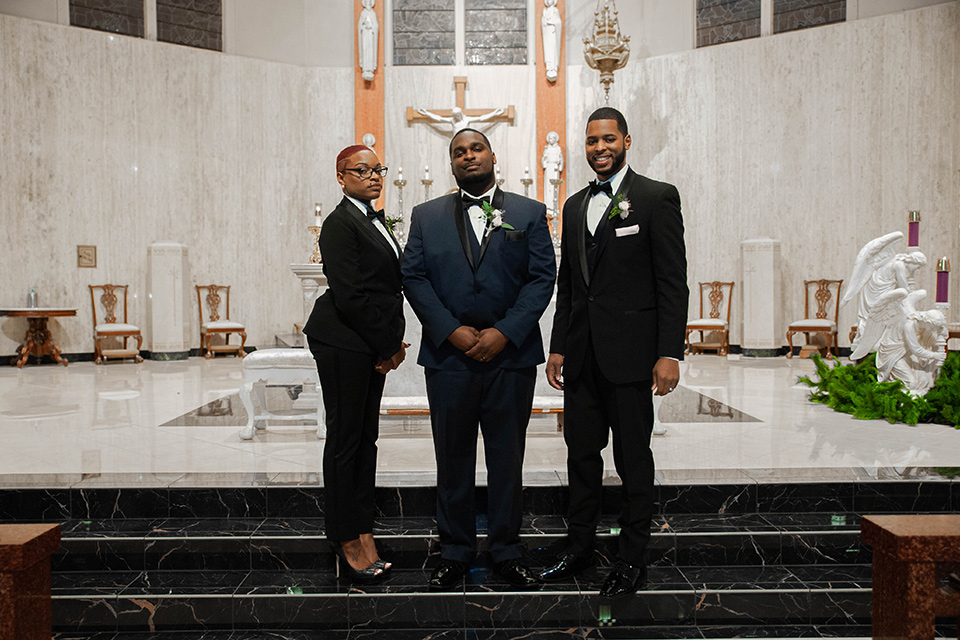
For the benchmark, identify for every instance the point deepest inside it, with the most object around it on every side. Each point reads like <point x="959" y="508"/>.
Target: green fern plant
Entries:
<point x="854" y="389"/>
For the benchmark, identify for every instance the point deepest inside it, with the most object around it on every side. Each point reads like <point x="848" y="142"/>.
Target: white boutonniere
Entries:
<point x="494" y="218"/>
<point x="393" y="222"/>
<point x="622" y="208"/>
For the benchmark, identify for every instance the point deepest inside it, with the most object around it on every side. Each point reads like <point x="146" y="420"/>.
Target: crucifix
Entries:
<point x="459" y="117"/>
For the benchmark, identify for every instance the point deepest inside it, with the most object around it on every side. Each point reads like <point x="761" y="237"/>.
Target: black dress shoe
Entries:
<point x="623" y="579"/>
<point x="568" y="566"/>
<point x="518" y="574"/>
<point x="447" y="574"/>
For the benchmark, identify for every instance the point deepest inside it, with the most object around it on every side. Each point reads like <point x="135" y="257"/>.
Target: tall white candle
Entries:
<point x="426" y="172"/>
<point x="400" y="173"/>
<point x="526" y="173"/>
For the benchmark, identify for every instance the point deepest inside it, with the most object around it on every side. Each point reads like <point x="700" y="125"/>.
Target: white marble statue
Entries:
<point x="551" y="26"/>
<point x="552" y="163"/>
<point x="909" y="343"/>
<point x="458" y="120"/>
<point x="368" y="30"/>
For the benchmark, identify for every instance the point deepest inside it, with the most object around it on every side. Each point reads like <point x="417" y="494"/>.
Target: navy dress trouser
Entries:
<point x="498" y="401"/>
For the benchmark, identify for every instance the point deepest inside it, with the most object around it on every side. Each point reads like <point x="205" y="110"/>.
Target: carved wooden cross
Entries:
<point x="460" y="82"/>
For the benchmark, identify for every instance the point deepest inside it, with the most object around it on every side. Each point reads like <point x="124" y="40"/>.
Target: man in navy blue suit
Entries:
<point x="478" y="270"/>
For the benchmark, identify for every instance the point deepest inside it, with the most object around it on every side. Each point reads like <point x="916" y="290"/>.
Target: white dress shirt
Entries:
<point x="598" y="203"/>
<point x="478" y="219"/>
<point x="376" y="222"/>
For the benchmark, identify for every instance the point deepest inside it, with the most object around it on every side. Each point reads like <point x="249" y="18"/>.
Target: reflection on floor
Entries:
<point x="177" y="422"/>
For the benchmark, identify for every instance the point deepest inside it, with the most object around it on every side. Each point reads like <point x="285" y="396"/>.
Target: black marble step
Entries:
<point x="238" y="600"/>
<point x="730" y="560"/>
<point x="410" y="543"/>
<point x="929" y="494"/>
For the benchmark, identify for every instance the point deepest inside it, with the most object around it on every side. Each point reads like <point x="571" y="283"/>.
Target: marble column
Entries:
<point x="762" y="330"/>
<point x="168" y="301"/>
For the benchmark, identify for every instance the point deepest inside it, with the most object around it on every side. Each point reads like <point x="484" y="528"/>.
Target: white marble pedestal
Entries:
<point x="762" y="330"/>
<point x="168" y="301"/>
<point x="312" y="284"/>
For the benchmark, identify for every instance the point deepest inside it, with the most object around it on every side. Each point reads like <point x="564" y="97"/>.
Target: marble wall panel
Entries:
<point x="119" y="143"/>
<point x="822" y="138"/>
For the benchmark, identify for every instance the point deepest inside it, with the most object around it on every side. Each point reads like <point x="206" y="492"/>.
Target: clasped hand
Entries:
<point x="384" y="366"/>
<point x="482" y="346"/>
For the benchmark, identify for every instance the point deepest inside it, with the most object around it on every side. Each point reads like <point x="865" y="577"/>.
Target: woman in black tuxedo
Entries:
<point x="355" y="333"/>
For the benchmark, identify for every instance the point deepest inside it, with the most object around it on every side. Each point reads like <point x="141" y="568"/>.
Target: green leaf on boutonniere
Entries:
<point x="622" y="208"/>
<point x="494" y="217"/>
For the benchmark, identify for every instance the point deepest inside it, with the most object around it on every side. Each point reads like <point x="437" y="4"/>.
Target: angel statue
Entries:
<point x="909" y="343"/>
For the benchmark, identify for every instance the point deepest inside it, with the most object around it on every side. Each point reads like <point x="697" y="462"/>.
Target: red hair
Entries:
<point x="349" y="151"/>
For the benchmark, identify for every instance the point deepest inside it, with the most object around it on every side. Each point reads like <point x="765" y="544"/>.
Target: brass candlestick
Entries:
<point x="316" y="258"/>
<point x="526" y="181"/>
<point x="554" y="214"/>
<point x="400" y="183"/>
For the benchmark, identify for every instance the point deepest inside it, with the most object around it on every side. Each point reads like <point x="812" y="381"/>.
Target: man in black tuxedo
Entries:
<point x="617" y="335"/>
<point x="478" y="270"/>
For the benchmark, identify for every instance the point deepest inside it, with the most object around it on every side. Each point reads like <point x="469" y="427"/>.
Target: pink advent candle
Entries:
<point x="943" y="280"/>
<point x="913" y="238"/>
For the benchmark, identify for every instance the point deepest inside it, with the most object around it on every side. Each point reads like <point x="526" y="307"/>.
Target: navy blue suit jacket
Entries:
<point x="508" y="286"/>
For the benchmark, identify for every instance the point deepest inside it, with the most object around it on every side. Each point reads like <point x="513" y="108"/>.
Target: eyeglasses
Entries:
<point x="366" y="172"/>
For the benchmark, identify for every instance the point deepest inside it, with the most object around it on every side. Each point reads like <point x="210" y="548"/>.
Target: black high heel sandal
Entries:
<point x="374" y="573"/>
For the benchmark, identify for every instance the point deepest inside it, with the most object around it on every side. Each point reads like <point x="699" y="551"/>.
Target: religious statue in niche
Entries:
<point x="551" y="26"/>
<point x="909" y="343"/>
<point x="552" y="163"/>
<point x="368" y="31"/>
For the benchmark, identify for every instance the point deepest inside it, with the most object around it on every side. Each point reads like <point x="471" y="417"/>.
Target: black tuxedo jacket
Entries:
<point x="633" y="303"/>
<point x="362" y="310"/>
<point x="507" y="286"/>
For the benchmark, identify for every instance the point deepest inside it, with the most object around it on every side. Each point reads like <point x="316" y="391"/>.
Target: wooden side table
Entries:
<point x="25" y="605"/>
<point x="38" y="341"/>
<point x="911" y="554"/>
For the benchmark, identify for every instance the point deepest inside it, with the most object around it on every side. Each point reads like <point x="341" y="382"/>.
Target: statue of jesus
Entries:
<point x="458" y="120"/>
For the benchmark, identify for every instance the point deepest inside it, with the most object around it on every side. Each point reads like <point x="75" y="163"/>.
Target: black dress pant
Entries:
<point x="351" y="391"/>
<point x="593" y="407"/>
<point x="498" y="401"/>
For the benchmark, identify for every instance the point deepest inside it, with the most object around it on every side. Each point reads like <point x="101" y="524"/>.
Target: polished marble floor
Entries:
<point x="177" y="424"/>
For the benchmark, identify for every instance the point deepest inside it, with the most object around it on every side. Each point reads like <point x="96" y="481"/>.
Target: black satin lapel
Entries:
<point x="497" y="203"/>
<point x="367" y="225"/>
<point x="462" y="229"/>
<point x="606" y="227"/>
<point x="581" y="228"/>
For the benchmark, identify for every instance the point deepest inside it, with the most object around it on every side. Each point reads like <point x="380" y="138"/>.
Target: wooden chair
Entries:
<point x="822" y="292"/>
<point x="111" y="327"/>
<point x="216" y="326"/>
<point x="718" y="294"/>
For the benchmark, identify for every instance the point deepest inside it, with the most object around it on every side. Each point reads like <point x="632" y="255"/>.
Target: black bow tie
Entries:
<point x="376" y="214"/>
<point x="469" y="202"/>
<point x="602" y="187"/>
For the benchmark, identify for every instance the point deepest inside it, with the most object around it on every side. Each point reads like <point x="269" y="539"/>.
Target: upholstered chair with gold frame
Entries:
<point x="717" y="321"/>
<point x="211" y="324"/>
<point x="111" y="326"/>
<point x="826" y="296"/>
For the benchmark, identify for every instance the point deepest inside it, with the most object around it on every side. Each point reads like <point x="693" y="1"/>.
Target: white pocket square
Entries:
<point x="628" y="231"/>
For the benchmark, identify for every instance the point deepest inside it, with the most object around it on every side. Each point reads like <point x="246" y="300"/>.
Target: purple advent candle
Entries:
<point x="913" y="237"/>
<point x="943" y="279"/>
